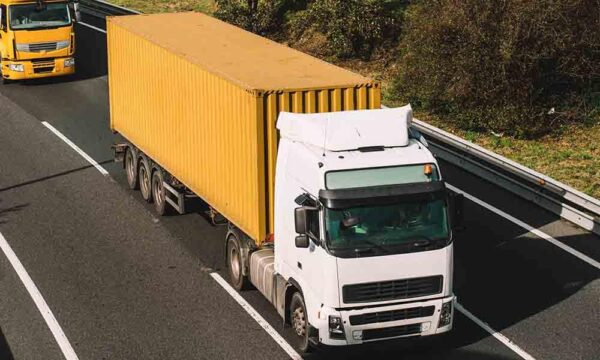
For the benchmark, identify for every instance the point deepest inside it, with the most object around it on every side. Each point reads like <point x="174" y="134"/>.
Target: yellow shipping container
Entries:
<point x="201" y="98"/>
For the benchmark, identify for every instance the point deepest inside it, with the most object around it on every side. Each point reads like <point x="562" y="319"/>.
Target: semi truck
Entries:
<point x="336" y="210"/>
<point x="37" y="38"/>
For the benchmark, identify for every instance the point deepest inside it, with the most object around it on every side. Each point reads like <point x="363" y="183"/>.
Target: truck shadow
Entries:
<point x="5" y="352"/>
<point x="5" y="212"/>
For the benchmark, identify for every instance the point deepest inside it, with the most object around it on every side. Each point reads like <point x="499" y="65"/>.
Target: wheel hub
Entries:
<point x="234" y="262"/>
<point x="299" y="321"/>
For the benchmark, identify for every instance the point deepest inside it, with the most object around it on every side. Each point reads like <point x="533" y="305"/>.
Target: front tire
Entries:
<point x="299" y="320"/>
<point x="235" y="265"/>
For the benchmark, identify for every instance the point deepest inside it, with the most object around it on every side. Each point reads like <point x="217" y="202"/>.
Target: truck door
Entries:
<point x="316" y="267"/>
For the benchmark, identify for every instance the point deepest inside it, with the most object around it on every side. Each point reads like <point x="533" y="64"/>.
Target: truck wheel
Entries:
<point x="145" y="181"/>
<point x="234" y="264"/>
<point x="299" y="320"/>
<point x="131" y="169"/>
<point x="158" y="193"/>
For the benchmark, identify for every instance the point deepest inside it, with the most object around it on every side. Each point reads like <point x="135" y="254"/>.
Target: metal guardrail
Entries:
<point x="548" y="193"/>
<point x="559" y="198"/>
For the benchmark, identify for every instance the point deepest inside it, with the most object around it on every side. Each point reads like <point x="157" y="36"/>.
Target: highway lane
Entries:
<point x="84" y="120"/>
<point x="536" y="294"/>
<point x="120" y="285"/>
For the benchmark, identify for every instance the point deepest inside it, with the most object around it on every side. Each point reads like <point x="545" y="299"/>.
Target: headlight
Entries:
<point x="69" y="62"/>
<point x="446" y="314"/>
<point x="16" y="67"/>
<point x="336" y="327"/>
<point x="23" y="47"/>
<point x="62" y="44"/>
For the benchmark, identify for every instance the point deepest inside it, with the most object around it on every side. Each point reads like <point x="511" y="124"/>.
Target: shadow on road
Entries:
<point x="5" y="353"/>
<point x="53" y="176"/>
<point x="4" y="212"/>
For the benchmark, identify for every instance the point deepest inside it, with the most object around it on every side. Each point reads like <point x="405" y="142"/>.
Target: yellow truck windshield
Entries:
<point x="29" y="16"/>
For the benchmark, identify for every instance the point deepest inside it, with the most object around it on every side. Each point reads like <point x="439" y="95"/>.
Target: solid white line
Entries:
<point x="92" y="27"/>
<point x="257" y="317"/>
<point x="76" y="148"/>
<point x="503" y="339"/>
<point x="39" y="301"/>
<point x="529" y="228"/>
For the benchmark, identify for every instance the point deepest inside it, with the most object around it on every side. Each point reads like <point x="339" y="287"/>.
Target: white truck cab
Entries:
<point x="363" y="239"/>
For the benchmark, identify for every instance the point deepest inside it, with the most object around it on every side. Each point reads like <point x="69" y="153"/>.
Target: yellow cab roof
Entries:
<point x="251" y="61"/>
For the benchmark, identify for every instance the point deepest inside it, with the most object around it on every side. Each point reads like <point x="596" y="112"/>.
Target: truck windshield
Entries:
<point x="414" y="225"/>
<point x="29" y="16"/>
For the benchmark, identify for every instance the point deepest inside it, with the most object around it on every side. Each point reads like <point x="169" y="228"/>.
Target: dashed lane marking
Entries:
<point x="76" y="148"/>
<point x="528" y="227"/>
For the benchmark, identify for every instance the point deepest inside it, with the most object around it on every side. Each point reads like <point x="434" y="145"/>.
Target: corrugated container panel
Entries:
<point x="193" y="124"/>
<point x="326" y="100"/>
<point x="202" y="97"/>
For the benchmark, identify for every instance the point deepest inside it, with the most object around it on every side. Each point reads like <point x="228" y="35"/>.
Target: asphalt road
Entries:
<point x="124" y="284"/>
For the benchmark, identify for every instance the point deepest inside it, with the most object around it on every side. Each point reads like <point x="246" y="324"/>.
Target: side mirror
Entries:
<point x="302" y="241"/>
<point x="75" y="13"/>
<point x="301" y="220"/>
<point x="456" y="204"/>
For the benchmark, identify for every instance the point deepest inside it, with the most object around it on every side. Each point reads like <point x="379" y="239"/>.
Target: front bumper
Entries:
<point x="37" y="69"/>
<point x="384" y="330"/>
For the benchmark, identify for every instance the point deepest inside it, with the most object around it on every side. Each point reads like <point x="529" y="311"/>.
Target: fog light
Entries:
<point x="446" y="314"/>
<point x="425" y="326"/>
<point x="336" y="327"/>
<point x="69" y="62"/>
<point x="357" y="334"/>
<point x="16" y="67"/>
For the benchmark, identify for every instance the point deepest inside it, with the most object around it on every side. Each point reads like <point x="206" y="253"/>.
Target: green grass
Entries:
<point x="158" y="6"/>
<point x="572" y="157"/>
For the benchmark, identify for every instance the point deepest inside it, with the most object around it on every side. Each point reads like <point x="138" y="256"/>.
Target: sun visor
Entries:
<point x="348" y="130"/>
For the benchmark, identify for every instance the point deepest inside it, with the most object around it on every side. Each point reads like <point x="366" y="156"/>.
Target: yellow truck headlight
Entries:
<point x="62" y="44"/>
<point x="16" y="67"/>
<point x="69" y="62"/>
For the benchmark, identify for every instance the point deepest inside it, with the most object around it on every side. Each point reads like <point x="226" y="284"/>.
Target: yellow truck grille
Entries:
<point x="45" y="46"/>
<point x="43" y="66"/>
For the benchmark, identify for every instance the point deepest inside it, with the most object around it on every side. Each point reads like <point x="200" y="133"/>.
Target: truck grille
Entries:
<point x="46" y="46"/>
<point x="392" y="290"/>
<point x="43" y="66"/>
<point x="373" y="334"/>
<point x="393" y="315"/>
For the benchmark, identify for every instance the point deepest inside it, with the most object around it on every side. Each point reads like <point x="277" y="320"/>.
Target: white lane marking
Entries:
<point x="39" y="301"/>
<point x="76" y="148"/>
<point x="529" y="228"/>
<point x="503" y="339"/>
<point x="257" y="317"/>
<point x="92" y="27"/>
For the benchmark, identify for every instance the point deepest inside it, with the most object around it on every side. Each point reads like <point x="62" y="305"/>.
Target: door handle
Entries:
<point x="299" y="265"/>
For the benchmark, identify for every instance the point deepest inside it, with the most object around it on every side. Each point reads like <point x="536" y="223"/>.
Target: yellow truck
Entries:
<point x="37" y="38"/>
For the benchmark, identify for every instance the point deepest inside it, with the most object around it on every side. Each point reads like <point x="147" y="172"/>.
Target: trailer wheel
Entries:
<point x="131" y="169"/>
<point x="158" y="193"/>
<point x="234" y="264"/>
<point x="299" y="320"/>
<point x="145" y="181"/>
